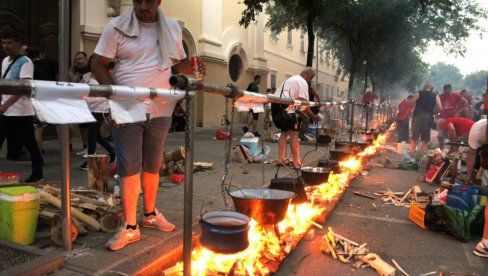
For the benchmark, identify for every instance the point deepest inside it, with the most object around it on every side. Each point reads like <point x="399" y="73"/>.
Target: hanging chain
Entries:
<point x="228" y="142"/>
<point x="187" y="119"/>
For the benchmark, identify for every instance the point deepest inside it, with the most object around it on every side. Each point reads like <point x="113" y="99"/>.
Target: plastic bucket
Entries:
<point x="19" y="209"/>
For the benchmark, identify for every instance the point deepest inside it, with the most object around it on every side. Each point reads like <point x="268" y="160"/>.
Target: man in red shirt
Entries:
<point x="452" y="104"/>
<point x="456" y="127"/>
<point x="403" y="117"/>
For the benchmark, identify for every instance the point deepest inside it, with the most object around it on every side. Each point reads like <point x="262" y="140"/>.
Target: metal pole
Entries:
<point x="351" y="122"/>
<point x="366" y="106"/>
<point x="188" y="192"/>
<point x="64" y="23"/>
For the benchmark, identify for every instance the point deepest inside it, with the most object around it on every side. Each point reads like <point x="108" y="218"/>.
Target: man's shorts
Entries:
<point x="292" y="125"/>
<point x="421" y="128"/>
<point x="255" y="116"/>
<point x="139" y="146"/>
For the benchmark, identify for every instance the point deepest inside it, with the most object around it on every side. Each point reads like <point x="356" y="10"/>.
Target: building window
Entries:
<point x="235" y="67"/>
<point x="302" y="42"/>
<point x="273" y="36"/>
<point x="327" y="92"/>
<point x="273" y="80"/>
<point x="290" y="38"/>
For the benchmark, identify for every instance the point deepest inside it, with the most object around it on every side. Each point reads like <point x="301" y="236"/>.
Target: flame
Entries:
<point x="264" y="244"/>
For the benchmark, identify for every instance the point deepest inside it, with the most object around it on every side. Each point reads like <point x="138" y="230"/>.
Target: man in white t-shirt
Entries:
<point x="477" y="137"/>
<point x="17" y="112"/>
<point x="145" y="45"/>
<point x="295" y="88"/>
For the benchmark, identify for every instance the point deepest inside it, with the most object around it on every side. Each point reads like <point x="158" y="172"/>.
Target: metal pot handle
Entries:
<point x="227" y="186"/>
<point x="289" y="171"/>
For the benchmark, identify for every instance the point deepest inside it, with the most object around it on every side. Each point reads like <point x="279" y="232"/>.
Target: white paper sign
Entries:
<point x="125" y="106"/>
<point x="61" y="102"/>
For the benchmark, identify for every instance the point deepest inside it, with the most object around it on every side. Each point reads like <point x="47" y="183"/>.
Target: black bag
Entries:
<point x="281" y="117"/>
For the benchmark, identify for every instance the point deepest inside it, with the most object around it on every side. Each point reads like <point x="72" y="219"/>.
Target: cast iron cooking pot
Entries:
<point x="331" y="164"/>
<point x="266" y="206"/>
<point x="224" y="231"/>
<point x="346" y="145"/>
<point x="339" y="155"/>
<point x="315" y="175"/>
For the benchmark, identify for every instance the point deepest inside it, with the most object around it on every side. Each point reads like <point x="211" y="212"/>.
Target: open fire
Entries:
<point x="268" y="246"/>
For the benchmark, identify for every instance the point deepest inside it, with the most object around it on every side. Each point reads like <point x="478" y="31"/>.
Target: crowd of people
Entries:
<point x="457" y="117"/>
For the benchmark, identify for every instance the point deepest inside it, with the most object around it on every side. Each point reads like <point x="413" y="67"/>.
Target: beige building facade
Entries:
<point x="231" y="53"/>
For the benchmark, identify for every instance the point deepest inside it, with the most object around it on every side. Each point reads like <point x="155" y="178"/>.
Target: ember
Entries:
<point x="269" y="245"/>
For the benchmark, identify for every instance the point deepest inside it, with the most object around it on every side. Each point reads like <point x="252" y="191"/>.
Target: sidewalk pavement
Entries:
<point x="89" y="255"/>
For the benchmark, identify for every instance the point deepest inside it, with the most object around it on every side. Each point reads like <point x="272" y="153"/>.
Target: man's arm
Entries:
<point x="451" y="132"/>
<point x="99" y="66"/>
<point x="438" y="103"/>
<point x="8" y="103"/>
<point x="184" y="67"/>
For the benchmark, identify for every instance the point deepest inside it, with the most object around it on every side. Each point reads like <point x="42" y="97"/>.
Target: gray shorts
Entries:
<point x="139" y="146"/>
<point x="421" y="128"/>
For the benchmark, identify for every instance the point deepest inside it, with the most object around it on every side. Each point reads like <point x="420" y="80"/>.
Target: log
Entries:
<point x="97" y="172"/>
<point x="382" y="267"/>
<point x="90" y="221"/>
<point x="175" y="155"/>
<point x="81" y="198"/>
<point x="363" y="195"/>
<point x="56" y="231"/>
<point x="399" y="267"/>
<point x="109" y="223"/>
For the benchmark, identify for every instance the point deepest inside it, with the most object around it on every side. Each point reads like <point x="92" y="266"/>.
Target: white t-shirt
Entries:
<point x="477" y="134"/>
<point x="137" y="60"/>
<point x="23" y="107"/>
<point x="295" y="88"/>
<point x="95" y="104"/>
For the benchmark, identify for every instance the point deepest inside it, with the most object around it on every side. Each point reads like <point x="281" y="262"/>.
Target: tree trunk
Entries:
<point x="311" y="42"/>
<point x="97" y="172"/>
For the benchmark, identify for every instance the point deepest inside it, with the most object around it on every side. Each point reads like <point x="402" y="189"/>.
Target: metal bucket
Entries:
<point x="224" y="232"/>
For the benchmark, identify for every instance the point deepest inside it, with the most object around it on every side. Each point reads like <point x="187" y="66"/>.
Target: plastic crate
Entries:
<point x="417" y="214"/>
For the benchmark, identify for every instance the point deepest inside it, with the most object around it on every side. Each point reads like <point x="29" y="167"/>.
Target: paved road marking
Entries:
<point x="472" y="259"/>
<point x="373" y="218"/>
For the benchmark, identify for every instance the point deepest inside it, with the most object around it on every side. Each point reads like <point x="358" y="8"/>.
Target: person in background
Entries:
<point x="79" y="68"/>
<point x="295" y="88"/>
<point x="17" y="112"/>
<point x="452" y="104"/>
<point x="47" y="70"/>
<point x="403" y="119"/>
<point x="456" y="127"/>
<point x="99" y="108"/>
<point x="313" y="96"/>
<point x="425" y="102"/>
<point x="252" y="117"/>
<point x="477" y="137"/>
<point x="146" y="45"/>
<point x="466" y="111"/>
<point x="478" y="108"/>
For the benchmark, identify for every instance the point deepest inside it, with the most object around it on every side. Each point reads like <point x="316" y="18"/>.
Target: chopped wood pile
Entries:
<point x="90" y="210"/>
<point x="404" y="199"/>
<point x="351" y="252"/>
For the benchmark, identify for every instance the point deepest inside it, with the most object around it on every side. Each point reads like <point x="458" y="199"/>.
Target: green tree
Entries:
<point x="476" y="82"/>
<point x="381" y="31"/>
<point x="284" y="14"/>
<point x="442" y="73"/>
